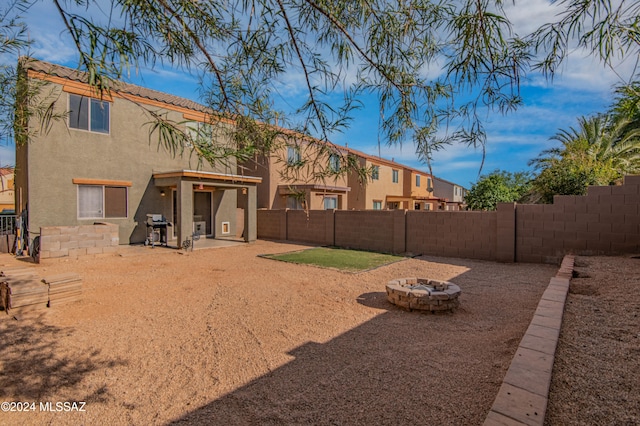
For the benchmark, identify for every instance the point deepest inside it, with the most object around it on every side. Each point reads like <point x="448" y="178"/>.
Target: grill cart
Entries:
<point x="157" y="230"/>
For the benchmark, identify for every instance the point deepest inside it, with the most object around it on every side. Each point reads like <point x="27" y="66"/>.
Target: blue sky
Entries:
<point x="583" y="87"/>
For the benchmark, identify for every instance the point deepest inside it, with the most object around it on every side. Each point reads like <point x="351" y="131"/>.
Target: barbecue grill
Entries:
<point x="156" y="230"/>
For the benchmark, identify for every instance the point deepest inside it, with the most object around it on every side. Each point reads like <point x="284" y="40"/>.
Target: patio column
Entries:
<point x="185" y="210"/>
<point x="251" y="215"/>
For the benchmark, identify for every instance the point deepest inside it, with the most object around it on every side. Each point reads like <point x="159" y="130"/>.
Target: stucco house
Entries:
<point x="451" y="195"/>
<point x="7" y="193"/>
<point x="419" y="190"/>
<point x="385" y="188"/>
<point x="103" y="163"/>
<point x="300" y="173"/>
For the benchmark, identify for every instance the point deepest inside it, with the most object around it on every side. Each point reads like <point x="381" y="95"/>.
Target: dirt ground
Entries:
<point x="596" y="373"/>
<point x="221" y="336"/>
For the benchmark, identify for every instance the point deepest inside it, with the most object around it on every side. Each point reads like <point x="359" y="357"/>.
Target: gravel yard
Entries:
<point x="225" y="337"/>
<point x="596" y="374"/>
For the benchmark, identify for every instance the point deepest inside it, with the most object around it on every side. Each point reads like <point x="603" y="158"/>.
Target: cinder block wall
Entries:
<point x="76" y="241"/>
<point x="458" y="234"/>
<point x="272" y="224"/>
<point x="316" y="227"/>
<point x="365" y="230"/>
<point x="605" y="221"/>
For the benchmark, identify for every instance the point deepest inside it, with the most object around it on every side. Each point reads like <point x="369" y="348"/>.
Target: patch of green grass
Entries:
<point x="344" y="260"/>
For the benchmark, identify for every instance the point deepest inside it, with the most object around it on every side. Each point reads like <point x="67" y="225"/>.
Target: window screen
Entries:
<point x="89" y="201"/>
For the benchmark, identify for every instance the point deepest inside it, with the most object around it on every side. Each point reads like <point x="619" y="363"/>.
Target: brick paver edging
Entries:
<point x="522" y="398"/>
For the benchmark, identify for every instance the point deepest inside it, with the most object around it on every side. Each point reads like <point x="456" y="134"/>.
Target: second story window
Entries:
<point x="293" y="155"/>
<point x="200" y="133"/>
<point x="429" y="185"/>
<point x="334" y="162"/>
<point x="88" y="114"/>
<point x="418" y="180"/>
<point x="375" y="173"/>
<point x="394" y="176"/>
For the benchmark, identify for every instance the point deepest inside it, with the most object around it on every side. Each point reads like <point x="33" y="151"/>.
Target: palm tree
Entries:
<point x="601" y="151"/>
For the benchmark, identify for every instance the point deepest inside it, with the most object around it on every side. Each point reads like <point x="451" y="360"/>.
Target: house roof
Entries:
<point x="116" y="85"/>
<point x="450" y="183"/>
<point x="154" y="95"/>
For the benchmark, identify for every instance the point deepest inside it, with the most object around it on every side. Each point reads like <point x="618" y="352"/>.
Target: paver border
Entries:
<point x="523" y="396"/>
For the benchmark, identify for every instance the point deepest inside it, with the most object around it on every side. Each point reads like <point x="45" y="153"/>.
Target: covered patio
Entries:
<point x="192" y="190"/>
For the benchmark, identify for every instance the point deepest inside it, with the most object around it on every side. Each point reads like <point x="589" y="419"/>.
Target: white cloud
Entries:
<point x="528" y="15"/>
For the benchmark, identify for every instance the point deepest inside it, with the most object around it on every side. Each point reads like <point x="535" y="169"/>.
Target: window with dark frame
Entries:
<point x="88" y="114"/>
<point x="294" y="203"/>
<point x="375" y="173"/>
<point x="394" y="176"/>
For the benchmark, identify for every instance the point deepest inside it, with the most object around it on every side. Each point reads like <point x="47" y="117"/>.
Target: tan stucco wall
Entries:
<point x="272" y="170"/>
<point x="362" y="197"/>
<point x="128" y="153"/>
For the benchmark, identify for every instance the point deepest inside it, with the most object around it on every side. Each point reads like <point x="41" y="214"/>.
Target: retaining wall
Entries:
<point x="76" y="241"/>
<point x="606" y="221"/>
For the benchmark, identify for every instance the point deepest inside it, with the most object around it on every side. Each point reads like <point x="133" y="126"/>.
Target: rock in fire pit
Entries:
<point x="423" y="294"/>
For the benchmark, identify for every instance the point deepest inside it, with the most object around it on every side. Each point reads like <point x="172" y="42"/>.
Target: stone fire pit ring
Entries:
<point x="423" y="294"/>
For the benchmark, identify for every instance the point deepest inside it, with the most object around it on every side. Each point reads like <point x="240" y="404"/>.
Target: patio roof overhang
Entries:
<point x="397" y="199"/>
<point x="171" y="178"/>
<point x="290" y="189"/>
<point x="427" y="199"/>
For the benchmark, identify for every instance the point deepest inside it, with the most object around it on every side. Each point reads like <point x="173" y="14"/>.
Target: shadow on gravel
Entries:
<point x="35" y="366"/>
<point x="398" y="367"/>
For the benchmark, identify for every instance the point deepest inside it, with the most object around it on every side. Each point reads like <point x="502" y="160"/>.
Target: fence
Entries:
<point x="606" y="221"/>
<point x="7" y="224"/>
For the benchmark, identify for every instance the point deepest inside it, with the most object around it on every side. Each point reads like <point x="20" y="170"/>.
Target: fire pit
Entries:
<point x="423" y="294"/>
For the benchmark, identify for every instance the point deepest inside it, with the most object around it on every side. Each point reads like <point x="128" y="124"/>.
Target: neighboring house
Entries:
<point x="296" y="175"/>
<point x="385" y="188"/>
<point x="7" y="196"/>
<point x="450" y="194"/>
<point x="419" y="190"/>
<point x="103" y="164"/>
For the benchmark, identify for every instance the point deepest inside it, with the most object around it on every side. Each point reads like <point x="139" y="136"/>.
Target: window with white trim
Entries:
<point x="89" y="114"/>
<point x="377" y="205"/>
<point x="330" y="203"/>
<point x="334" y="162"/>
<point x="418" y="180"/>
<point x="102" y="201"/>
<point x="394" y="176"/>
<point x="293" y="155"/>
